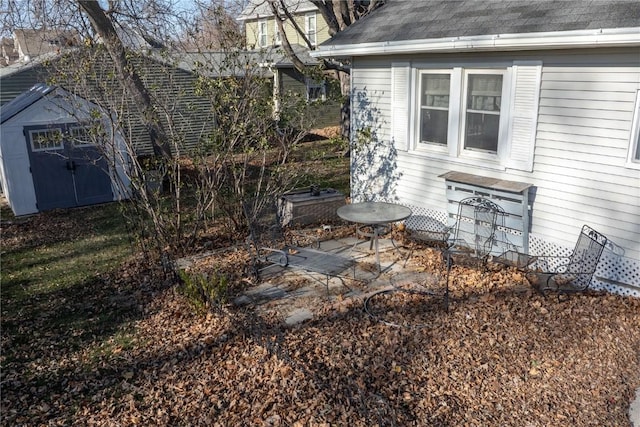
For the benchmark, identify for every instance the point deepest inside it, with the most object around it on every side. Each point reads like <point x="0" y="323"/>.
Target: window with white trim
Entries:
<point x="83" y="136"/>
<point x="316" y="90"/>
<point x="262" y="33"/>
<point x="435" y="90"/>
<point x="483" y="97"/>
<point x="487" y="116"/>
<point x="46" y="140"/>
<point x="633" y="158"/>
<point x="310" y="27"/>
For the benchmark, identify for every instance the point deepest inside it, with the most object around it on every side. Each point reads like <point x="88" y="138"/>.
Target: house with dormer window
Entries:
<point x="262" y="34"/>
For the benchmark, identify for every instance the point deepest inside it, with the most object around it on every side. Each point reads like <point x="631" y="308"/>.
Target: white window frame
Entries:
<point x="76" y="137"/>
<point x="263" y="33"/>
<point x="315" y="84"/>
<point x="309" y="32"/>
<point x="634" y="137"/>
<point x="501" y="146"/>
<point x="454" y="149"/>
<point x="433" y="147"/>
<point x="43" y="133"/>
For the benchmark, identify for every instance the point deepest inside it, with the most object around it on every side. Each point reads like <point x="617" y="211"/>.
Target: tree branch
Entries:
<point x="105" y="29"/>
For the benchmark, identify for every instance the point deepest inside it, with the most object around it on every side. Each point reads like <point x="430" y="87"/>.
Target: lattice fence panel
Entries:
<point x="421" y="218"/>
<point x="615" y="273"/>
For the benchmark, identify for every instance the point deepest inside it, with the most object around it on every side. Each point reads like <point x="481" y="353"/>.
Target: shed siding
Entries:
<point x="582" y="139"/>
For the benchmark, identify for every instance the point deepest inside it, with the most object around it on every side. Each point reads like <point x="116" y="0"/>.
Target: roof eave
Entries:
<point x="496" y="42"/>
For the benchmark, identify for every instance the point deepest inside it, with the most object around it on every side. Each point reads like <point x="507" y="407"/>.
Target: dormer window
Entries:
<point x="310" y="27"/>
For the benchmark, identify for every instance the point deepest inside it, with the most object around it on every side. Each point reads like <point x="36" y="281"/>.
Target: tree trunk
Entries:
<point x="134" y="85"/>
<point x="345" y="107"/>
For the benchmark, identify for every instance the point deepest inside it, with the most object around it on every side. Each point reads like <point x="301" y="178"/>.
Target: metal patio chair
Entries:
<point x="271" y="245"/>
<point x="472" y="237"/>
<point x="571" y="273"/>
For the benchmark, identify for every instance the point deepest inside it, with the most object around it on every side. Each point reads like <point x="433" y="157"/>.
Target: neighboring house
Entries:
<point x="171" y="87"/>
<point x="31" y="43"/>
<point x="49" y="160"/>
<point x="535" y="104"/>
<point x="261" y="28"/>
<point x="262" y="35"/>
<point x="8" y="54"/>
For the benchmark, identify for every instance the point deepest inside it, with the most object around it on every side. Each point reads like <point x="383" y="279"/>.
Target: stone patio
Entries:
<point x="296" y="296"/>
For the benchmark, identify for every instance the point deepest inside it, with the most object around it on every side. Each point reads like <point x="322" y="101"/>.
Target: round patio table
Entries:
<point x="377" y="215"/>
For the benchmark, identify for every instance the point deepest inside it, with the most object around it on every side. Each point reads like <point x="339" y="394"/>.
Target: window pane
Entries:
<point x="262" y="33"/>
<point x="311" y="28"/>
<point x="434" y="108"/>
<point x="315" y="90"/>
<point x="435" y="90"/>
<point x="484" y="97"/>
<point x="482" y="131"/>
<point x="434" y="126"/>
<point x="46" y="140"/>
<point x="637" y="156"/>
<point x="81" y="136"/>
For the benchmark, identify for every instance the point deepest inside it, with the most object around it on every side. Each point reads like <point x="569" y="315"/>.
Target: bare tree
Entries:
<point x="339" y="14"/>
<point x="221" y="102"/>
<point x="104" y="27"/>
<point x="211" y="28"/>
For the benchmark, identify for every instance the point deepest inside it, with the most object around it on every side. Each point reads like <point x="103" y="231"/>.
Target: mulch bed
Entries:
<point x="501" y="355"/>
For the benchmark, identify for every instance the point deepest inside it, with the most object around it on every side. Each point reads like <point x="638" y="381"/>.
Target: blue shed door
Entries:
<point x="67" y="171"/>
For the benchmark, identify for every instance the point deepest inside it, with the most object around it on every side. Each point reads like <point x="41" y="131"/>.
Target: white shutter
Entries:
<point x="525" y="82"/>
<point x="400" y="84"/>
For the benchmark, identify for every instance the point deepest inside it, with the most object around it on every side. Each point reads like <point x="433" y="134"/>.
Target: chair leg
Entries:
<point x="406" y="260"/>
<point x="446" y="292"/>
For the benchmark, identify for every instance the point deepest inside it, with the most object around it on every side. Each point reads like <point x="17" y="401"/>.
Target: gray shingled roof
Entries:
<point x="226" y="64"/>
<point x="400" y="20"/>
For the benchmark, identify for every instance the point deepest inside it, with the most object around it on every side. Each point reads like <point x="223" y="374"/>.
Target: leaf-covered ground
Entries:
<point x="127" y="349"/>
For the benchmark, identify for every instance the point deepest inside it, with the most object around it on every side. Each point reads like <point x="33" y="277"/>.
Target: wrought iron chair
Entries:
<point x="270" y="245"/>
<point x="473" y="235"/>
<point x="571" y="273"/>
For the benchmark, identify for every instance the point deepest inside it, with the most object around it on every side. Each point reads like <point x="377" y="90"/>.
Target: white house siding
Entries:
<point x="584" y="123"/>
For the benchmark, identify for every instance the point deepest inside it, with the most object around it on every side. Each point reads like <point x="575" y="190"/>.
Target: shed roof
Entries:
<point x="402" y="20"/>
<point x="23" y="101"/>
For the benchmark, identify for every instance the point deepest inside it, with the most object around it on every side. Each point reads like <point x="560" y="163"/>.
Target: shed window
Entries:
<point x="82" y="135"/>
<point x="46" y="140"/>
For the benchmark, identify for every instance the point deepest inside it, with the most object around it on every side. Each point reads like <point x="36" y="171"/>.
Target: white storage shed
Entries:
<point x="58" y="150"/>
